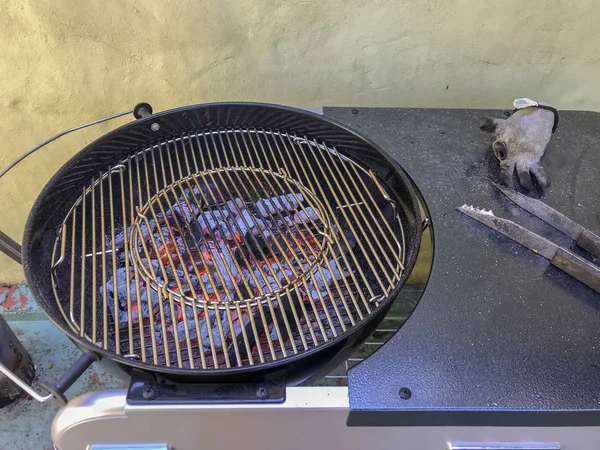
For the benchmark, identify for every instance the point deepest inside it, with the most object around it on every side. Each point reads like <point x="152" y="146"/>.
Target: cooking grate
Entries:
<point x="226" y="248"/>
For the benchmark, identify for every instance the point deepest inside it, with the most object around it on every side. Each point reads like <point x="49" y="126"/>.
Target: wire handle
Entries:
<point x="7" y="245"/>
<point x="28" y="389"/>
<point x="57" y="390"/>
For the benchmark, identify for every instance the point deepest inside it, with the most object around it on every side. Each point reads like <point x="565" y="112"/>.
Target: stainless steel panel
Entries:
<point x="313" y="417"/>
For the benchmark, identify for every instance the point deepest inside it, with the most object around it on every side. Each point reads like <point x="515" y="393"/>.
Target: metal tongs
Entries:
<point x="568" y="262"/>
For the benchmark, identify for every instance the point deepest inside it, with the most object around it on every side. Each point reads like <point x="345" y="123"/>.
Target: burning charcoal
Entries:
<point x="286" y="222"/>
<point x="239" y="226"/>
<point x="273" y="283"/>
<point x="123" y="283"/>
<point x="120" y="237"/>
<point x="316" y="294"/>
<point x="223" y="231"/>
<point x="158" y="333"/>
<point x="189" y="311"/>
<point x="123" y="294"/>
<point x="304" y="263"/>
<point x="209" y="220"/>
<point x="191" y="323"/>
<point x="183" y="210"/>
<point x="135" y="313"/>
<point x="231" y="206"/>
<point x="119" y="241"/>
<point x="223" y="262"/>
<point x="167" y="312"/>
<point x="275" y="270"/>
<point x="250" y="279"/>
<point x="237" y="326"/>
<point x="208" y="190"/>
<point x="195" y="283"/>
<point x="154" y="268"/>
<point x="246" y="222"/>
<point x="338" y="272"/>
<point x="253" y="222"/>
<point x="256" y="244"/>
<point x="306" y="215"/>
<point x="207" y="283"/>
<point x="143" y="297"/>
<point x="177" y="273"/>
<point x="153" y="297"/>
<point x="120" y="316"/>
<point x="323" y="278"/>
<point x="193" y="233"/>
<point x="282" y="203"/>
<point x="164" y="232"/>
<point x="244" y="291"/>
<point x="224" y="323"/>
<point x="264" y="210"/>
<point x="212" y="317"/>
<point x="268" y="285"/>
<point x="145" y="230"/>
<point x="273" y="334"/>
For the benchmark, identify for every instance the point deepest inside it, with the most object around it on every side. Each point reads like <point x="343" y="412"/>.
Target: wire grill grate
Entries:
<point x="227" y="248"/>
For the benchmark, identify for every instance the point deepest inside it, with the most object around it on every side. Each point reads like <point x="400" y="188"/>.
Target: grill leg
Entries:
<point x="10" y="248"/>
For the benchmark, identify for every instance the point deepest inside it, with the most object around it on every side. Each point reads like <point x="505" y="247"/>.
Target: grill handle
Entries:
<point x="7" y="245"/>
<point x="57" y="390"/>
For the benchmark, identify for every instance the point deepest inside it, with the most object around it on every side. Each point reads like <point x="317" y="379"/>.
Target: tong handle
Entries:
<point x="590" y="242"/>
<point x="578" y="268"/>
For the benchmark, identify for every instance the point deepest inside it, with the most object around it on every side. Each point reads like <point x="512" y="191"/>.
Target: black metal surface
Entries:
<point x="148" y="390"/>
<point x="56" y="198"/>
<point x="500" y="335"/>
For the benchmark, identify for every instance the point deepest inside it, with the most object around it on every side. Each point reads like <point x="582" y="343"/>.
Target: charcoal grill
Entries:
<point x="222" y="243"/>
<point x="289" y="274"/>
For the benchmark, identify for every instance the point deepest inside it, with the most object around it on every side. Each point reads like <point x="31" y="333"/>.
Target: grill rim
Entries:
<point x="33" y="236"/>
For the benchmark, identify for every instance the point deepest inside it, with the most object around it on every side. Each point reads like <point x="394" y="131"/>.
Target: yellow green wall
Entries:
<point x="65" y="62"/>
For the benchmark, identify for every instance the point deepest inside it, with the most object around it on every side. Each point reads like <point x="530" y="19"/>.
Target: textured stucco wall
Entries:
<point x="69" y="61"/>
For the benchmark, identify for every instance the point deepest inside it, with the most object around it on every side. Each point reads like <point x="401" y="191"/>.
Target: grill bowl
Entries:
<point x="303" y="130"/>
